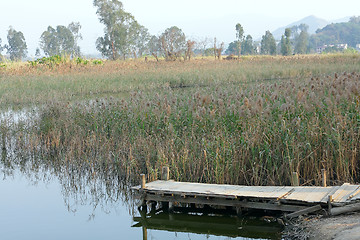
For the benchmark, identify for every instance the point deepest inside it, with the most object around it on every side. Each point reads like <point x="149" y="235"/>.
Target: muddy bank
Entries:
<point x="337" y="228"/>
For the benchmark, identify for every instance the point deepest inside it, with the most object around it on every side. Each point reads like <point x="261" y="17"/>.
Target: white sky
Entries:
<point x="197" y="18"/>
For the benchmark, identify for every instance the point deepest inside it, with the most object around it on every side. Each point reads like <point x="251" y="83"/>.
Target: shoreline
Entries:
<point x="342" y="227"/>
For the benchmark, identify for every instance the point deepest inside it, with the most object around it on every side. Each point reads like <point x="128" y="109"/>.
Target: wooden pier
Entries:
<point x="293" y="201"/>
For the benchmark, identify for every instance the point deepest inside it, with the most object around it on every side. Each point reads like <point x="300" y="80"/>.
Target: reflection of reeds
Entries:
<point x="256" y="135"/>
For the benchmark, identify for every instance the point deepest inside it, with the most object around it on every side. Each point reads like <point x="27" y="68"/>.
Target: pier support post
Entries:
<point x="294" y="179"/>
<point x="143" y="181"/>
<point x="238" y="211"/>
<point x="153" y="206"/>
<point x="143" y="206"/>
<point x="171" y="207"/>
<point x="165" y="173"/>
<point x="144" y="231"/>
<point x="324" y="177"/>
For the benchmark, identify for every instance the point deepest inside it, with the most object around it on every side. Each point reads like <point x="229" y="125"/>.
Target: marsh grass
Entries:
<point x="253" y="135"/>
<point x="24" y="85"/>
<point x="251" y="122"/>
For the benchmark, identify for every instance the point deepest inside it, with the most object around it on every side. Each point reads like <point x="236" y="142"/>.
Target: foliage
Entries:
<point x="52" y="61"/>
<point x="1" y="47"/>
<point x="302" y="43"/>
<point x="154" y="47"/>
<point x="58" y="60"/>
<point x="16" y="48"/>
<point x="268" y="44"/>
<point x="286" y="43"/>
<point x="124" y="36"/>
<point x="97" y="62"/>
<point x="338" y="33"/>
<point x="61" y="41"/>
<point x="173" y="43"/>
<point x="232" y="48"/>
<point x="247" y="47"/>
<point x="240" y="37"/>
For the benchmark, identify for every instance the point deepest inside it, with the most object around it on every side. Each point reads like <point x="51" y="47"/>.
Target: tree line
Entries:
<point x="125" y="38"/>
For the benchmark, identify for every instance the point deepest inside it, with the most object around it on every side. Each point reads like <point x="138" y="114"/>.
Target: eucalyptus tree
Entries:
<point x="154" y="47"/>
<point x="302" y="40"/>
<point x="61" y="40"/>
<point x="248" y="46"/>
<point x="123" y="35"/>
<point x="268" y="44"/>
<point x="16" y="48"/>
<point x="173" y="43"/>
<point x="240" y="37"/>
<point x="286" y="43"/>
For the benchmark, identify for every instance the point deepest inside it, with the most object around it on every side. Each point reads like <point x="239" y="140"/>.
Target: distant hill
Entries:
<point x="338" y="33"/>
<point x="313" y="22"/>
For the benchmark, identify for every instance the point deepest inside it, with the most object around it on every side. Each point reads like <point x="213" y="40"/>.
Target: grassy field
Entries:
<point x="252" y="121"/>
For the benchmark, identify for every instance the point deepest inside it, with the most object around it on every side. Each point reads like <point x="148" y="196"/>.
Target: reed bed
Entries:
<point x="22" y="84"/>
<point x="235" y="132"/>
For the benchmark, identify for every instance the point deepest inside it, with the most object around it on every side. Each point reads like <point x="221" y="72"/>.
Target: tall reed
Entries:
<point x="238" y="133"/>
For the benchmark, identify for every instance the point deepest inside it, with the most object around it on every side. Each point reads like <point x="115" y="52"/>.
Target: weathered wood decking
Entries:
<point x="300" y="199"/>
<point x="341" y="195"/>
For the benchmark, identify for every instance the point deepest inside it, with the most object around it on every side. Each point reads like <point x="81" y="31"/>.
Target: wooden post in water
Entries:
<point x="294" y="179"/>
<point x="324" y="177"/>
<point x="144" y="231"/>
<point x="143" y="181"/>
<point x="165" y="173"/>
<point x="142" y="206"/>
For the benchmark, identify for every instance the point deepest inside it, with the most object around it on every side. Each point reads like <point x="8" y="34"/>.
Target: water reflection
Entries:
<point x="216" y="225"/>
<point x="100" y="191"/>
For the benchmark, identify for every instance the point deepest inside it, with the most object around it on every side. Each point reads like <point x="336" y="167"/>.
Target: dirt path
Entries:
<point x="344" y="227"/>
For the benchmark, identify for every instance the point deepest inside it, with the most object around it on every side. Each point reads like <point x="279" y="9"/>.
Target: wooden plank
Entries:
<point x="304" y="211"/>
<point x="214" y="189"/>
<point x="224" y="202"/>
<point x="343" y="193"/>
<point x="310" y="194"/>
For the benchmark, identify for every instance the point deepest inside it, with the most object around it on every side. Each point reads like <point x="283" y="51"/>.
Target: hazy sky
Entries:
<point x="197" y="18"/>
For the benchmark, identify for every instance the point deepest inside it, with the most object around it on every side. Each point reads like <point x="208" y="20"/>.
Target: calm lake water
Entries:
<point x="50" y="199"/>
<point x="39" y="205"/>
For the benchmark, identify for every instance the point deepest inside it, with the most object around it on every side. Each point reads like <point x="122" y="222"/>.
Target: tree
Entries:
<point x="248" y="46"/>
<point x="268" y="44"/>
<point x="239" y="37"/>
<point x="123" y="34"/>
<point x="232" y="48"/>
<point x="154" y="47"/>
<point x="62" y="40"/>
<point x="75" y="27"/>
<point x="286" y="43"/>
<point x="16" y="48"/>
<point x="218" y="49"/>
<point x="37" y="53"/>
<point x="302" y="42"/>
<point x="189" y="49"/>
<point x="140" y="38"/>
<point x="1" y="48"/>
<point x="203" y="45"/>
<point x="355" y="20"/>
<point x="173" y="43"/>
